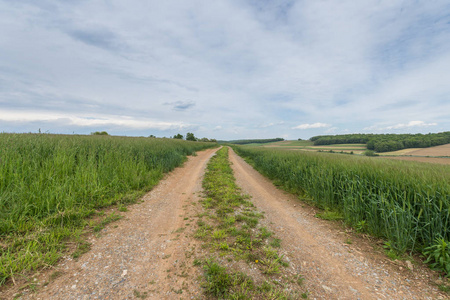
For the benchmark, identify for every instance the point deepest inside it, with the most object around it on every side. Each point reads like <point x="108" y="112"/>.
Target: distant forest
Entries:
<point x="255" y="141"/>
<point x="386" y="142"/>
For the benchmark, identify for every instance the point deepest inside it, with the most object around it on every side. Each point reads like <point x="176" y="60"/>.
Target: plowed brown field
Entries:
<point x="430" y="155"/>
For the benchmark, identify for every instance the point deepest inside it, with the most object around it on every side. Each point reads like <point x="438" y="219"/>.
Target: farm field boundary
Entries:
<point x="436" y="151"/>
<point x="309" y="146"/>
<point x="436" y="155"/>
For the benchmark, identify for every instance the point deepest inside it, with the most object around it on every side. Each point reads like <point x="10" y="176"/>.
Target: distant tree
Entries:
<point x="99" y="133"/>
<point x="178" y="136"/>
<point x="151" y="136"/>
<point x="203" y="140"/>
<point x="190" y="137"/>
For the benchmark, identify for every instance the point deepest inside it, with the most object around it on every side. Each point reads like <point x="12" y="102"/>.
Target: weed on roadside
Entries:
<point x="82" y="248"/>
<point x="109" y="219"/>
<point x="330" y="215"/>
<point x="140" y="295"/>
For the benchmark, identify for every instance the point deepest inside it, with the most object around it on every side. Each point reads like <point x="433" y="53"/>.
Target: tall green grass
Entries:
<point x="49" y="184"/>
<point x="406" y="203"/>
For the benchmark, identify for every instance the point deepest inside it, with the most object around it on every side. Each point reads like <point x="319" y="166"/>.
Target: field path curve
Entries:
<point x="332" y="268"/>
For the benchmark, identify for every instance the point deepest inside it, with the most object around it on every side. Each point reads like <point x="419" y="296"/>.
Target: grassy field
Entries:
<point x="405" y="203"/>
<point x="290" y="144"/>
<point x="437" y="154"/>
<point x="309" y="146"/>
<point x="50" y="184"/>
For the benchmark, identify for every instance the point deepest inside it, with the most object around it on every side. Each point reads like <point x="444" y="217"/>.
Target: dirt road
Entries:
<point x="142" y="255"/>
<point x="149" y="254"/>
<point x="317" y="249"/>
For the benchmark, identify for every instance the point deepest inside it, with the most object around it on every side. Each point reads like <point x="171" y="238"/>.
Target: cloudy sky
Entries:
<point x="225" y="69"/>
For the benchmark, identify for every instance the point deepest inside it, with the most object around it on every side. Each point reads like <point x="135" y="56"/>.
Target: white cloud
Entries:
<point x="331" y="130"/>
<point x="127" y="122"/>
<point x="311" y="126"/>
<point x="246" y="65"/>
<point x="410" y="124"/>
<point x="271" y="124"/>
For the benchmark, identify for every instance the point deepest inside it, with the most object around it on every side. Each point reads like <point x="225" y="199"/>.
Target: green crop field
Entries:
<point x="290" y="144"/>
<point x="309" y="146"/>
<point x="50" y="184"/>
<point x="406" y="203"/>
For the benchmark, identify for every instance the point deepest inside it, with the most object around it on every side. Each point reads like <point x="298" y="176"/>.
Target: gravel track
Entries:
<point x="141" y="255"/>
<point x="316" y="248"/>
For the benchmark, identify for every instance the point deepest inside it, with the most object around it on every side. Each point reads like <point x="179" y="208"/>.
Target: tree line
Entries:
<point x="191" y="137"/>
<point x="386" y="142"/>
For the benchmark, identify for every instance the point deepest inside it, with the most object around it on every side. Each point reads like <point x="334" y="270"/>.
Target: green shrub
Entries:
<point x="370" y="153"/>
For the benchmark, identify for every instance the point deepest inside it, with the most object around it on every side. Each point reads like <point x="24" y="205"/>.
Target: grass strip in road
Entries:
<point x="244" y="260"/>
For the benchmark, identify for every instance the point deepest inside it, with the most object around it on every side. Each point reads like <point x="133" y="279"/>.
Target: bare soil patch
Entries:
<point x="437" y="155"/>
<point x="443" y="150"/>
<point x="400" y="152"/>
